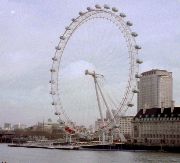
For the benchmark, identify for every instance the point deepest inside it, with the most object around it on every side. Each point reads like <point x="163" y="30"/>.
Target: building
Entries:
<point x="19" y="126"/>
<point x="124" y="122"/>
<point x="125" y="125"/>
<point x="157" y="126"/>
<point x="99" y="124"/>
<point x="48" y="126"/>
<point x="155" y="89"/>
<point x="7" y="126"/>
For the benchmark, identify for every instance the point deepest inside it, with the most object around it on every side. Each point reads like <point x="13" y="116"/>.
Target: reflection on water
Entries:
<point x="27" y="155"/>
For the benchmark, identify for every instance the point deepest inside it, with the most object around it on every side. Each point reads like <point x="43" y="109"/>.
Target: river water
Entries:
<point x="32" y="155"/>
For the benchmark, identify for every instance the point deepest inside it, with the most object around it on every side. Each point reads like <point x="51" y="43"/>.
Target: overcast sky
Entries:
<point x="30" y="29"/>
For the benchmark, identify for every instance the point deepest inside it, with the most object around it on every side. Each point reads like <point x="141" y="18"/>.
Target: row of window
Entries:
<point x="163" y="141"/>
<point x="159" y="136"/>
<point x="157" y="118"/>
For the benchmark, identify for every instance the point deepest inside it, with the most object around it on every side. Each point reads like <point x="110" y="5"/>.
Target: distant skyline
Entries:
<point x="30" y="30"/>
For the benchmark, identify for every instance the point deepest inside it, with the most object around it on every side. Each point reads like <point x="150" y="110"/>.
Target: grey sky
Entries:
<point x="30" y="29"/>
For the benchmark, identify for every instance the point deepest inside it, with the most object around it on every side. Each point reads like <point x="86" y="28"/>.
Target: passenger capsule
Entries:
<point x="54" y="59"/>
<point x="60" y="121"/>
<point x="129" y="23"/>
<point x="98" y="6"/>
<point x="51" y="81"/>
<point x="134" y="34"/>
<point x="114" y="9"/>
<point x="53" y="103"/>
<point x="57" y="48"/>
<point x="137" y="76"/>
<point x="106" y="6"/>
<point x="57" y="113"/>
<point x="81" y="13"/>
<point x="139" y="61"/>
<point x="137" y="47"/>
<point x="130" y="104"/>
<point x="89" y="9"/>
<point x="67" y="28"/>
<point x="73" y="20"/>
<point x="62" y="37"/>
<point x="122" y="15"/>
<point x="52" y="93"/>
<point x="135" y="91"/>
<point x="52" y="70"/>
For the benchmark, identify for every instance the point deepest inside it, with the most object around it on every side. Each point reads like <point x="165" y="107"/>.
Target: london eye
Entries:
<point x="120" y="101"/>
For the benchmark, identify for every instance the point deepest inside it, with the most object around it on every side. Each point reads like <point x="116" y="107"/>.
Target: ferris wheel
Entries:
<point x="112" y="15"/>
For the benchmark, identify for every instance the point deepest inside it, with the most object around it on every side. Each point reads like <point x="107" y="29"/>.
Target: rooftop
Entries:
<point x="155" y="71"/>
<point x="156" y="112"/>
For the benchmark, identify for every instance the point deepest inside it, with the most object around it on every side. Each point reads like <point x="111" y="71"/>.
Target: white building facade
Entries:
<point x="157" y="126"/>
<point x="125" y="125"/>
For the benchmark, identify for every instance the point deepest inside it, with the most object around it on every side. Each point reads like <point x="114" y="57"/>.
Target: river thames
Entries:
<point x="31" y="155"/>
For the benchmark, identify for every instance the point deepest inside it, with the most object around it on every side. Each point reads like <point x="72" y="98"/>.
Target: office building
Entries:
<point x="155" y="89"/>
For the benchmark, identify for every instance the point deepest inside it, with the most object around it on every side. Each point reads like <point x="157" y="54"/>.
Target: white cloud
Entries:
<point x="13" y="12"/>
